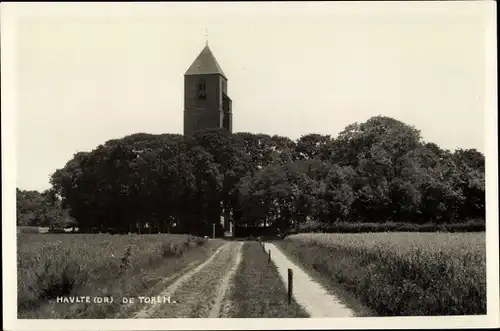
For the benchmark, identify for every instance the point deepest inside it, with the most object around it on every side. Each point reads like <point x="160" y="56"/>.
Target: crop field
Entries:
<point x="399" y="274"/>
<point x="53" y="265"/>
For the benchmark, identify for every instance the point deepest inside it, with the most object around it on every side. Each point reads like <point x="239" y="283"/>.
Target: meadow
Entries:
<point x="398" y="273"/>
<point x="55" y="265"/>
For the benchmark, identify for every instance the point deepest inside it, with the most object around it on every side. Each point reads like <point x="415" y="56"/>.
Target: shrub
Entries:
<point x="346" y="227"/>
<point x="47" y="274"/>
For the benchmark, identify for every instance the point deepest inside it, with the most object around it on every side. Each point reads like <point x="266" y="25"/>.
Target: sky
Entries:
<point x="90" y="74"/>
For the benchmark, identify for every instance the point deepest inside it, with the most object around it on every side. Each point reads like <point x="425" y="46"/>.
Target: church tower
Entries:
<point x="206" y="103"/>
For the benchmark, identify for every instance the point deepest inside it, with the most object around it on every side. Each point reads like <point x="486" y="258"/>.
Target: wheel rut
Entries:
<point x="200" y="292"/>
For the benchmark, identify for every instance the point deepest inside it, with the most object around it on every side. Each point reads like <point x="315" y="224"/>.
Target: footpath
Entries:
<point x="308" y="293"/>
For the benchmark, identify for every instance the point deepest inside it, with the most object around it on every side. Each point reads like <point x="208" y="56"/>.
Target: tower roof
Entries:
<point x="205" y="63"/>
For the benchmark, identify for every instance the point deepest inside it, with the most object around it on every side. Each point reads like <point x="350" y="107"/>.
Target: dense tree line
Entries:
<point x="376" y="171"/>
<point x="41" y="209"/>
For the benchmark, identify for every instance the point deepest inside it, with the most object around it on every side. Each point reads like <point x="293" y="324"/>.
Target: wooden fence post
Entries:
<point x="290" y="285"/>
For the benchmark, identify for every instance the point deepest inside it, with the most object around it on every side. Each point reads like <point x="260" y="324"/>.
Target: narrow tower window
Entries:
<point x="201" y="90"/>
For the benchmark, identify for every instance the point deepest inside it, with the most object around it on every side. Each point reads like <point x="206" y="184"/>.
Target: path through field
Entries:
<point x="200" y="292"/>
<point x="308" y="293"/>
<point x="203" y="290"/>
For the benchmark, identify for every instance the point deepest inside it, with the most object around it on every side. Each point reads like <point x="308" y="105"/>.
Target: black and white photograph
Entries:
<point x="250" y="165"/>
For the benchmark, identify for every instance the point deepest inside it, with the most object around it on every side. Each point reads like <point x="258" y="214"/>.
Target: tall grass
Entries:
<point x="54" y="265"/>
<point x="401" y="274"/>
<point x="258" y="290"/>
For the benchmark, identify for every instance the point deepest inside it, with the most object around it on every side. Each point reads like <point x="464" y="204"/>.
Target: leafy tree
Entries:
<point x="470" y="165"/>
<point x="314" y="146"/>
<point x="42" y="209"/>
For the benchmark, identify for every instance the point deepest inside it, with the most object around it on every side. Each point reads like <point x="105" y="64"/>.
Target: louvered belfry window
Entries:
<point x="201" y="90"/>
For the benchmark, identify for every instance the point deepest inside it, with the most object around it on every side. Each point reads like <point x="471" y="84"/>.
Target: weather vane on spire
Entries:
<point x="206" y="36"/>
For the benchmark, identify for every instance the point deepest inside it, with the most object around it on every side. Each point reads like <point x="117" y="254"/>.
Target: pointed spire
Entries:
<point x="205" y="63"/>
<point x="206" y="37"/>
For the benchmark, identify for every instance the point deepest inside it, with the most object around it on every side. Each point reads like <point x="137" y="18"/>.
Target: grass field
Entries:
<point x="258" y="290"/>
<point x="52" y="265"/>
<point x="399" y="274"/>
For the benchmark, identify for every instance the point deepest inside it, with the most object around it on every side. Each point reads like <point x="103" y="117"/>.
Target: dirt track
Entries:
<point x="204" y="290"/>
<point x="201" y="291"/>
